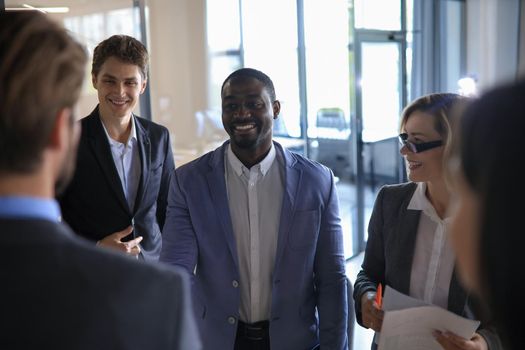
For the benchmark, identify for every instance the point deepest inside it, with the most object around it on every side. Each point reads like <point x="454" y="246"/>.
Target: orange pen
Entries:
<point x="379" y="295"/>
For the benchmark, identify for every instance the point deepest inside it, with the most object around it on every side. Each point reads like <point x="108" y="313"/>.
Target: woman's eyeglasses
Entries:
<point x="418" y="147"/>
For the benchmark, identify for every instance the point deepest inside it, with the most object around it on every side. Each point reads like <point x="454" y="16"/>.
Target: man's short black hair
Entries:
<point x="253" y="73"/>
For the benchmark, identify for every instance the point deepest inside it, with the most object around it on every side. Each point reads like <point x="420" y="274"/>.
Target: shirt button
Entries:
<point x="235" y="284"/>
<point x="231" y="320"/>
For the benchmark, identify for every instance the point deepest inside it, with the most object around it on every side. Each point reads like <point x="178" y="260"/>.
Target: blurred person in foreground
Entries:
<point x="58" y="291"/>
<point x="408" y="248"/>
<point x="488" y="228"/>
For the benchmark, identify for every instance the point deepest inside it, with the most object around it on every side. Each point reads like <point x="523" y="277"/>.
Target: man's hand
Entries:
<point x="372" y="315"/>
<point x="114" y="241"/>
<point x="451" y="341"/>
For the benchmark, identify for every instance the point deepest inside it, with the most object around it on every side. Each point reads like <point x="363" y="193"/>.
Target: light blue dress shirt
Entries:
<point x="18" y="207"/>
<point x="127" y="161"/>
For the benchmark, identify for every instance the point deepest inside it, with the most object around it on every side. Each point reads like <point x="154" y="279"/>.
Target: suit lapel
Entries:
<point x="219" y="197"/>
<point x="99" y="144"/>
<point x="457" y="297"/>
<point x="292" y="176"/>
<point x="144" y="145"/>
<point x="405" y="243"/>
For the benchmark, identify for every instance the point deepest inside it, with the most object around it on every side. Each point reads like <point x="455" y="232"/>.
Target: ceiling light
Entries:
<point x="55" y="9"/>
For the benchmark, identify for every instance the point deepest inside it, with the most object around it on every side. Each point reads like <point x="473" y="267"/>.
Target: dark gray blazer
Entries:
<point x="60" y="292"/>
<point x="390" y="249"/>
<point x="94" y="204"/>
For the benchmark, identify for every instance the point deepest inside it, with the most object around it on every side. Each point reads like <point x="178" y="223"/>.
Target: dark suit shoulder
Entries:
<point x="394" y="199"/>
<point x="151" y="125"/>
<point x="308" y="164"/>
<point x="91" y="117"/>
<point x="296" y="159"/>
<point x="399" y="191"/>
<point x="58" y="244"/>
<point x="93" y="120"/>
<point x="51" y="251"/>
<point x="312" y="171"/>
<point x="91" y="125"/>
<point x="83" y="296"/>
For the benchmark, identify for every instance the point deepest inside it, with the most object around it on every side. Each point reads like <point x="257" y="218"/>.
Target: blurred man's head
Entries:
<point x="41" y="73"/>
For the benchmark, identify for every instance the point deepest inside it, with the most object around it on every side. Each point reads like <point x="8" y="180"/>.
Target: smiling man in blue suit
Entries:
<point x="258" y="229"/>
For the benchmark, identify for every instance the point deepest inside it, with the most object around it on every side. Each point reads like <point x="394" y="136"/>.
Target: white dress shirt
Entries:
<point x="255" y="199"/>
<point x="433" y="261"/>
<point x="127" y="161"/>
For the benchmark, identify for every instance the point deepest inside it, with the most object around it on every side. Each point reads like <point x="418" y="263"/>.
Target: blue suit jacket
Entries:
<point x="309" y="273"/>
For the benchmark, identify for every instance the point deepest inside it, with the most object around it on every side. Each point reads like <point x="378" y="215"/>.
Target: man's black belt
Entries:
<point x="253" y="331"/>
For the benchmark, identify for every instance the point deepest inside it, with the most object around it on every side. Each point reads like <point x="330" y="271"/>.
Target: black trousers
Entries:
<point x="252" y="336"/>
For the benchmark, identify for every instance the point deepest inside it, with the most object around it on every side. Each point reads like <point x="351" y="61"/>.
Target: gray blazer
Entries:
<point x="389" y="252"/>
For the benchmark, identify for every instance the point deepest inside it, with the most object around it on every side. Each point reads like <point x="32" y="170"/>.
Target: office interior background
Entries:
<point x="343" y="70"/>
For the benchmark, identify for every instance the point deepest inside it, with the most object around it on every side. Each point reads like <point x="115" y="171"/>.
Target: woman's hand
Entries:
<point x="372" y="315"/>
<point x="451" y="341"/>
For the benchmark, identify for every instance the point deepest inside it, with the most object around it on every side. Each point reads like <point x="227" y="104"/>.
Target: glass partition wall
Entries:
<point x="90" y="22"/>
<point x="311" y="51"/>
<point x="343" y="69"/>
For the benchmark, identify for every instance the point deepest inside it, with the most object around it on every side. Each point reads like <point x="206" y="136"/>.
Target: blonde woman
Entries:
<point x="407" y="246"/>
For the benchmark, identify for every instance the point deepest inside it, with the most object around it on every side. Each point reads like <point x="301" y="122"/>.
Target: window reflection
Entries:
<point x="380" y="90"/>
<point x="327" y="68"/>
<point x="221" y="65"/>
<point x="378" y="14"/>
<point x="92" y="28"/>
<point x="224" y="46"/>
<point x="328" y="81"/>
<point x="271" y="46"/>
<point x="223" y="25"/>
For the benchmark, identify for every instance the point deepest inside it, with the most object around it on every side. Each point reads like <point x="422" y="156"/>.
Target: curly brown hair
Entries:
<point x="123" y="47"/>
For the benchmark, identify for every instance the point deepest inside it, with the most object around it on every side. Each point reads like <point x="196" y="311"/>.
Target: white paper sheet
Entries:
<point x="409" y="322"/>
<point x="395" y="300"/>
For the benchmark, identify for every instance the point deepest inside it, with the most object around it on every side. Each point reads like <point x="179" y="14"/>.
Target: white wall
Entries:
<point x="179" y="70"/>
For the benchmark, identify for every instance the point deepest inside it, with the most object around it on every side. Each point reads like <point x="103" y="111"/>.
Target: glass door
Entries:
<point x="328" y="80"/>
<point x="380" y="96"/>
